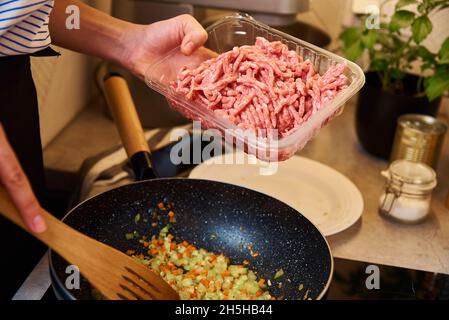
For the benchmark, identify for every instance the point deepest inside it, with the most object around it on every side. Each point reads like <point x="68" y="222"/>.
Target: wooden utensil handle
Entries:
<point x="124" y="112"/>
<point x="131" y="133"/>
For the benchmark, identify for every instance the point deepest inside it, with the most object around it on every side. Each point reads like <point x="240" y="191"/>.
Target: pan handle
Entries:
<point x="123" y="110"/>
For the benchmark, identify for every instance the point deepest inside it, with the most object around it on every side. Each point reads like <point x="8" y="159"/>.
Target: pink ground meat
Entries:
<point x="265" y="87"/>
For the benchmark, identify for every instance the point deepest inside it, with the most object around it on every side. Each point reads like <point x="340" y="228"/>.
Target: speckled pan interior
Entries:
<point x="216" y="216"/>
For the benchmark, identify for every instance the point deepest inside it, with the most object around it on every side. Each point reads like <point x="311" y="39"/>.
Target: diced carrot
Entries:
<point x="194" y="273"/>
<point x="146" y="244"/>
<point x="177" y="272"/>
<point x="172" y="246"/>
<point x="160" y="242"/>
<point x="130" y="252"/>
<point x="205" y="282"/>
<point x="161" y="205"/>
<point x="259" y="293"/>
<point x="153" y="252"/>
<point x="226" y="273"/>
<point x="163" y="268"/>
<point x="179" y="255"/>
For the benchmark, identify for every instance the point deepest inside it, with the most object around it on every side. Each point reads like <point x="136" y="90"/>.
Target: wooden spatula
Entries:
<point x="113" y="273"/>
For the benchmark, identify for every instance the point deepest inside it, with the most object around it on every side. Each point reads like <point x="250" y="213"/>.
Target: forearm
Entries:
<point x="99" y="34"/>
<point x="133" y="46"/>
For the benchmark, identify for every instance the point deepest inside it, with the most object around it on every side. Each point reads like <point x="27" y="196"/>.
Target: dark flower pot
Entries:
<point x="378" y="111"/>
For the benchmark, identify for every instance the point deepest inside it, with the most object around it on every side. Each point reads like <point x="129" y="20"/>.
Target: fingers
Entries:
<point x="16" y="183"/>
<point x="193" y="34"/>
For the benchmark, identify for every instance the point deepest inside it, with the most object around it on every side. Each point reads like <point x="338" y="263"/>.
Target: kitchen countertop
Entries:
<point x="375" y="239"/>
<point x="372" y="239"/>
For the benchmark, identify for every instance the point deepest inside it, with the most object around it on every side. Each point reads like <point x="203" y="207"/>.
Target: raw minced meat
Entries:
<point x="265" y="87"/>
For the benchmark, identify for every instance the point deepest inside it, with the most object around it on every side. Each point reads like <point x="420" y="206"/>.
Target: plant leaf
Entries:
<point x="444" y="52"/>
<point x="354" y="51"/>
<point x="421" y="28"/>
<point x="378" y="65"/>
<point x="369" y="38"/>
<point x="401" y="19"/>
<point x="396" y="74"/>
<point x="403" y="3"/>
<point x="427" y="66"/>
<point x="437" y="84"/>
<point x="349" y="36"/>
<point x="422" y="7"/>
<point x="425" y="54"/>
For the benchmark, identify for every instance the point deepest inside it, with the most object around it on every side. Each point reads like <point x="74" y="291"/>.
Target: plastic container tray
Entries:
<point x="238" y="30"/>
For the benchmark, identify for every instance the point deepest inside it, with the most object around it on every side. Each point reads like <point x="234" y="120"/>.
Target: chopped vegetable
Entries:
<point x="137" y="218"/>
<point x="253" y="253"/>
<point x="306" y="295"/>
<point x="198" y="274"/>
<point x="129" y="236"/>
<point x="278" y="274"/>
<point x="171" y="217"/>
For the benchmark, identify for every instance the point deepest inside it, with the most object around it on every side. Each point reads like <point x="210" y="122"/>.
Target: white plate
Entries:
<point x="323" y="195"/>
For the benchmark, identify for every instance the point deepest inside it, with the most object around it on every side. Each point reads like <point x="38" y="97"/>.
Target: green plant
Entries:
<point x="397" y="45"/>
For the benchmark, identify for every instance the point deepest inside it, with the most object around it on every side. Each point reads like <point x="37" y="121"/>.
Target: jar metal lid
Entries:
<point x="411" y="173"/>
<point x="422" y="123"/>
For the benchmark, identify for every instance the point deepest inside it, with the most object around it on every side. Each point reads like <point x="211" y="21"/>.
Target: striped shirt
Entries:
<point x="24" y="26"/>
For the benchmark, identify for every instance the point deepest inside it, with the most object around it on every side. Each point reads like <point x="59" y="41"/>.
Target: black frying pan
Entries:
<point x="215" y="216"/>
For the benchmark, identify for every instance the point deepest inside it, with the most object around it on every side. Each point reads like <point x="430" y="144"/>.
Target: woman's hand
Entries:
<point x="13" y="179"/>
<point x="146" y="43"/>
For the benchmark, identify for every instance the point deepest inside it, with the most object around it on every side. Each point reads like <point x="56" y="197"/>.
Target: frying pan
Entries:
<point x="216" y="216"/>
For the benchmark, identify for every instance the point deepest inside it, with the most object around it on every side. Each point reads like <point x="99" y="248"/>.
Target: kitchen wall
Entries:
<point x="64" y="85"/>
<point x="329" y="16"/>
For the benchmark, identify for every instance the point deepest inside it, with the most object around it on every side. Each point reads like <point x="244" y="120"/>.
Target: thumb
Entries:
<point x="193" y="34"/>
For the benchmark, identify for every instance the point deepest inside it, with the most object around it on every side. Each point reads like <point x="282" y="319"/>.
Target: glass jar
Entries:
<point x="408" y="191"/>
